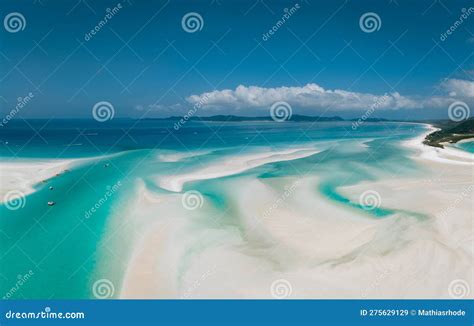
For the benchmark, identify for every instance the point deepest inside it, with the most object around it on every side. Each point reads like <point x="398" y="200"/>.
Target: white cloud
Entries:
<point x="312" y="96"/>
<point x="459" y="88"/>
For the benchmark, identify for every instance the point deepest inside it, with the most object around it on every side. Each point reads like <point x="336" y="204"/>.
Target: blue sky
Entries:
<point x="319" y="60"/>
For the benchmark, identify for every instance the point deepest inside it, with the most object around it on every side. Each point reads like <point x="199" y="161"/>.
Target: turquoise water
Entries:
<point x="466" y="146"/>
<point x="66" y="251"/>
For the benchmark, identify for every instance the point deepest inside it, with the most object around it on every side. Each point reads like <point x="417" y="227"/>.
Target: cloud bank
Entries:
<point x="459" y="88"/>
<point x="313" y="96"/>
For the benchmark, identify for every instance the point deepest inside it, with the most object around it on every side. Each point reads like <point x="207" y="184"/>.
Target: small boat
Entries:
<point x="51" y="188"/>
<point x="51" y="203"/>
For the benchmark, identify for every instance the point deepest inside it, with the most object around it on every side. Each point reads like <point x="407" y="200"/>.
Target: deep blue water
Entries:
<point x="79" y="138"/>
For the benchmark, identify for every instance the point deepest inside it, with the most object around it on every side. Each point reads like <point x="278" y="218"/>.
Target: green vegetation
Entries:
<point x="451" y="132"/>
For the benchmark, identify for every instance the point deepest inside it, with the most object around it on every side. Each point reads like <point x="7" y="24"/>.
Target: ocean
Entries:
<point x="99" y="216"/>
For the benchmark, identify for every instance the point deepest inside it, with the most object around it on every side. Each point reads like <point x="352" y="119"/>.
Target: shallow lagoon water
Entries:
<point x="67" y="250"/>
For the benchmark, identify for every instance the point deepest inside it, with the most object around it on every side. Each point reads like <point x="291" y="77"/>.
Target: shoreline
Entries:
<point x="22" y="175"/>
<point x="284" y="221"/>
<point x="467" y="140"/>
<point x="306" y="225"/>
<point x="446" y="155"/>
<point x="451" y="133"/>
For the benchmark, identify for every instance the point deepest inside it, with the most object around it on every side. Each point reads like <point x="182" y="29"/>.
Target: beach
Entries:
<point x="318" y="247"/>
<point x="376" y="216"/>
<point x="237" y="162"/>
<point x="21" y="175"/>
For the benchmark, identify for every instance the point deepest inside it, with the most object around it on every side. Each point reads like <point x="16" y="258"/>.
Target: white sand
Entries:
<point x="231" y="166"/>
<point x="22" y="175"/>
<point x="448" y="154"/>
<point x="468" y="140"/>
<point x="322" y="250"/>
<point x="176" y="157"/>
<point x="287" y="230"/>
<point x="160" y="223"/>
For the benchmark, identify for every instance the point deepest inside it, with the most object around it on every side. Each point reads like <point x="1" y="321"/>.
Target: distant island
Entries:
<point x="235" y="118"/>
<point x="294" y="118"/>
<point x="451" y="132"/>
